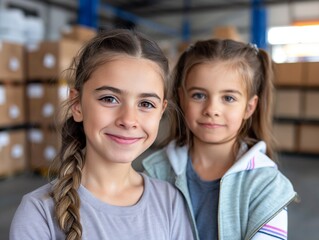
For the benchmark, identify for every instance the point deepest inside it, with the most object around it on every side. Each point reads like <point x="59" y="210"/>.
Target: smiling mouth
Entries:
<point x="211" y="125"/>
<point x="123" y="140"/>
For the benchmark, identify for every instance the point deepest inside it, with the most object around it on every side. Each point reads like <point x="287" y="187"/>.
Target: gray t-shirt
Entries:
<point x="160" y="214"/>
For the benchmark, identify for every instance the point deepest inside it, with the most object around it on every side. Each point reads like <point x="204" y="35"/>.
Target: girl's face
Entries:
<point x="121" y="107"/>
<point x="215" y="103"/>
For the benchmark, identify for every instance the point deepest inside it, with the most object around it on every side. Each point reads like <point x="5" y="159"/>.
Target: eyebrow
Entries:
<point x="119" y="91"/>
<point x="223" y="91"/>
<point x="232" y="91"/>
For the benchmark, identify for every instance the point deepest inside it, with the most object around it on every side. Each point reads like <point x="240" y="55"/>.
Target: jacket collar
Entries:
<point x="246" y="160"/>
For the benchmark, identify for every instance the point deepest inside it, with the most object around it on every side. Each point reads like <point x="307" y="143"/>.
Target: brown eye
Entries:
<point x="146" y="104"/>
<point x="108" y="99"/>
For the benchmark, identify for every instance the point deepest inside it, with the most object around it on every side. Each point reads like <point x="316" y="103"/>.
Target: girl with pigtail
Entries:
<point x="116" y="101"/>
<point x="221" y="147"/>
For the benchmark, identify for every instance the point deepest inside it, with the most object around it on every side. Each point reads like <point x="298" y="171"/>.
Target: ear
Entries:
<point x="76" y="107"/>
<point x="165" y="102"/>
<point x="251" y="107"/>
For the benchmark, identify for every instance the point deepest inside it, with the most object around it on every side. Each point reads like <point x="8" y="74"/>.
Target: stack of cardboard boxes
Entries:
<point x="32" y="89"/>
<point x="12" y="109"/>
<point x="46" y="91"/>
<point x="297" y="107"/>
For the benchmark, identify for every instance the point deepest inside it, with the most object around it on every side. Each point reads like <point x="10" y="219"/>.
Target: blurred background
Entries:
<point x="39" y="38"/>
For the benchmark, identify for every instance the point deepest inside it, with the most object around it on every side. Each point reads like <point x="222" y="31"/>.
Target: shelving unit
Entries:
<point x="296" y="114"/>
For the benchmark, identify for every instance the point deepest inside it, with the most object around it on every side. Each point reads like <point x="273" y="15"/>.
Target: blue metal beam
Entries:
<point x="186" y="28"/>
<point x="88" y="12"/>
<point x="259" y="24"/>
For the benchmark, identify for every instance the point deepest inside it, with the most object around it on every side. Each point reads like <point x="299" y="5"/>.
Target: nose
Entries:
<point x="211" y="108"/>
<point x="127" y="117"/>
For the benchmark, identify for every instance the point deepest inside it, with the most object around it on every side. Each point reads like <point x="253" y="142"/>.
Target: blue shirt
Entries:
<point x="204" y="197"/>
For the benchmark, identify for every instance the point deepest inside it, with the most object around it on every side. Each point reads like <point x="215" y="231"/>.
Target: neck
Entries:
<point x="211" y="161"/>
<point x="115" y="183"/>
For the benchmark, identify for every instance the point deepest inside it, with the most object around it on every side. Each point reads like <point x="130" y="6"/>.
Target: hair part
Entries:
<point x="68" y="165"/>
<point x="253" y="65"/>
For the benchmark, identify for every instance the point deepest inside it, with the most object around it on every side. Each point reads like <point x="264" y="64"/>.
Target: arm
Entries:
<point x="276" y="228"/>
<point x="30" y="221"/>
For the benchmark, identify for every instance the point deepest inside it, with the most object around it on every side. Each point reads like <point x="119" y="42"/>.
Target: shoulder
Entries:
<point x="158" y="157"/>
<point x="34" y="218"/>
<point x="41" y="194"/>
<point x="158" y="165"/>
<point x="160" y="186"/>
<point x="163" y="192"/>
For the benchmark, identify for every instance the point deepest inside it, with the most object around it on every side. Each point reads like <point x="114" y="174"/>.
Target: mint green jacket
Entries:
<point x="252" y="192"/>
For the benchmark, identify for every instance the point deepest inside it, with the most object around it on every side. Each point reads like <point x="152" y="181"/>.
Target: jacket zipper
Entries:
<point x="220" y="188"/>
<point x="274" y="215"/>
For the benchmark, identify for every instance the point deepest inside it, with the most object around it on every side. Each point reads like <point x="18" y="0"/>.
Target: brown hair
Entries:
<point x="254" y="66"/>
<point x="69" y="162"/>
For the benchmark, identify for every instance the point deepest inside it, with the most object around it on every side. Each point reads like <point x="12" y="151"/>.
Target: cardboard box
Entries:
<point x="17" y="150"/>
<point x="13" y="152"/>
<point x="312" y="105"/>
<point x="290" y="74"/>
<point x="44" y="102"/>
<point x="226" y="32"/>
<point x="12" y="62"/>
<point x="5" y="168"/>
<point x="288" y="103"/>
<point x="44" y="145"/>
<point x="49" y="59"/>
<point x="309" y="139"/>
<point x="79" y="33"/>
<point x="312" y="71"/>
<point x="12" y="108"/>
<point x="286" y="136"/>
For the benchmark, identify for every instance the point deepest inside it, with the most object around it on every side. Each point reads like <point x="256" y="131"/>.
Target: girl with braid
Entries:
<point x="220" y="152"/>
<point x="115" y="105"/>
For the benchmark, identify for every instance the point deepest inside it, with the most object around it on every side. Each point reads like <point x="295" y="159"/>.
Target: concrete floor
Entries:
<point x="303" y="171"/>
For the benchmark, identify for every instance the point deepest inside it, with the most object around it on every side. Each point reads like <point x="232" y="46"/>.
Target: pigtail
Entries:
<point x="262" y="117"/>
<point x="179" y="130"/>
<point x="69" y="163"/>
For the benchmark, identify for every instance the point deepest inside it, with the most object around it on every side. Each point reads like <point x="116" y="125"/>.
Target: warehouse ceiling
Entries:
<point x="180" y="19"/>
<point x="183" y="18"/>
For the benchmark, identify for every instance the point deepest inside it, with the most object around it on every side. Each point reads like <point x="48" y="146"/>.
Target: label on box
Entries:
<point x="35" y="136"/>
<point x="14" y="111"/>
<point x="35" y="91"/>
<point x="17" y="151"/>
<point x="49" y="153"/>
<point x="47" y="110"/>
<point x="49" y="60"/>
<point x="4" y="139"/>
<point x="63" y="92"/>
<point x="14" y="64"/>
<point x="2" y="95"/>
